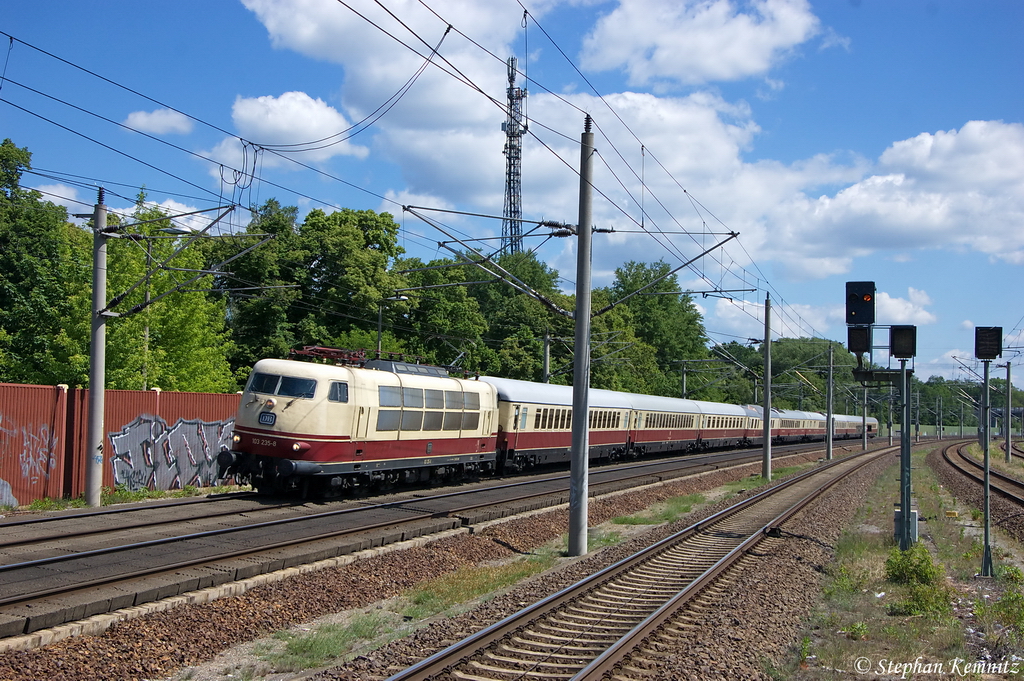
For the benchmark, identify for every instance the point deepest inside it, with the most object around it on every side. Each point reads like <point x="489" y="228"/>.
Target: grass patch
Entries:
<point x="666" y="512"/>
<point x="468" y="583"/>
<point x="755" y="481"/>
<point x="885" y="604"/>
<point x="329" y="642"/>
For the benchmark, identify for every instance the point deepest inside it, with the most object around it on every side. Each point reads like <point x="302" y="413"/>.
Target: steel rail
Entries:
<point x="156" y="504"/>
<point x="39" y="539"/>
<point x="444" y="661"/>
<point x="1002" y="483"/>
<point x="264" y="548"/>
<point x="686" y="464"/>
<point x="613" y="656"/>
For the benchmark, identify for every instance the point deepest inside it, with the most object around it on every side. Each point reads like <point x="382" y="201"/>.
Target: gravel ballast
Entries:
<point x="158" y="645"/>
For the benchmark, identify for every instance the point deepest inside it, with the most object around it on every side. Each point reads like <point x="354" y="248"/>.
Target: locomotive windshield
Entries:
<point x="285" y="386"/>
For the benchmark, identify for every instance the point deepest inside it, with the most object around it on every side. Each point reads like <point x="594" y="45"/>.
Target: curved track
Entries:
<point x="1008" y="486"/>
<point x="585" y="630"/>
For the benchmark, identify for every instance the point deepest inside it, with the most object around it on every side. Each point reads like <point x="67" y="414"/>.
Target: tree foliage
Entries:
<point x="46" y="300"/>
<point x="332" y="277"/>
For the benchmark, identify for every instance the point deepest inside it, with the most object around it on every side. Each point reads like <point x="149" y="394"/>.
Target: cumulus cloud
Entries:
<point x="960" y="189"/>
<point x="159" y="122"/>
<point x="909" y="310"/>
<point x="314" y="128"/>
<point x="63" y="195"/>
<point x="693" y="42"/>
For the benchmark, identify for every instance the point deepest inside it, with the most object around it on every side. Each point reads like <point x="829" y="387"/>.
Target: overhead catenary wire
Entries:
<point x="525" y="14"/>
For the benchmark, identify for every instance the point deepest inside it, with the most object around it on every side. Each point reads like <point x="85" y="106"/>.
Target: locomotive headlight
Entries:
<point x="236" y="438"/>
<point x="300" y="447"/>
<point x="296" y="447"/>
<point x="270" y="403"/>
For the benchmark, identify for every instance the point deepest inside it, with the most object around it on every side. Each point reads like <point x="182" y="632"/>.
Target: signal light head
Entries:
<point x="860" y="302"/>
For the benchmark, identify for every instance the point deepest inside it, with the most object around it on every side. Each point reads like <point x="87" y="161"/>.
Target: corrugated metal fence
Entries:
<point x="161" y="440"/>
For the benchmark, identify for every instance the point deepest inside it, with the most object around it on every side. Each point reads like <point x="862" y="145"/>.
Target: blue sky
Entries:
<point x="858" y="140"/>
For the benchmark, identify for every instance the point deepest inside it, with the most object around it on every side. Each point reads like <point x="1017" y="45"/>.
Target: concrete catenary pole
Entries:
<point x="905" y="534"/>
<point x="580" y="463"/>
<point x="97" y="357"/>
<point x="830" y="415"/>
<point x="864" y="423"/>
<point x="1008" y="415"/>
<point x="766" y="457"/>
<point x="986" y="415"/>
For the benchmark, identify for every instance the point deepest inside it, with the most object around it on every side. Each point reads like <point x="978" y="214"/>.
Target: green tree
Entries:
<point x="444" y="322"/>
<point x="261" y="314"/>
<point x="179" y="342"/>
<point x="45" y="269"/>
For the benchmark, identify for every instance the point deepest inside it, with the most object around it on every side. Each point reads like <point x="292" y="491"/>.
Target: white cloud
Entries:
<point x="691" y="42"/>
<point x="63" y="195"/>
<point x="316" y="130"/>
<point x="909" y="310"/>
<point x="967" y="324"/>
<point x="159" y="122"/>
<point x="960" y="189"/>
<point x="830" y="38"/>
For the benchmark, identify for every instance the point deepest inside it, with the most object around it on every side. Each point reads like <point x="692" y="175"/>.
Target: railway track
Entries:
<point x="1006" y="485"/>
<point x="74" y="524"/>
<point x="585" y="631"/>
<point x="67" y="573"/>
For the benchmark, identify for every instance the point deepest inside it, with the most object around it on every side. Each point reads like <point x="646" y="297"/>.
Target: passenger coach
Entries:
<point x="322" y="428"/>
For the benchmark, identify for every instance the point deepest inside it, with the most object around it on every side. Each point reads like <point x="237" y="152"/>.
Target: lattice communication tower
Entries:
<point x="514" y="128"/>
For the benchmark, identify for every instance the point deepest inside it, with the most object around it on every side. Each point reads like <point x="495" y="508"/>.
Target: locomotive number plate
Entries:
<point x="260" y="442"/>
<point x="268" y="418"/>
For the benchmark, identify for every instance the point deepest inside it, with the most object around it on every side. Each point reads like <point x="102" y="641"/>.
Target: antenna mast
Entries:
<point x="514" y="128"/>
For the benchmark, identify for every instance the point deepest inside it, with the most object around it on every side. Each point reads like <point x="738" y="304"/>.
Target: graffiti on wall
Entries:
<point x="146" y="453"/>
<point x="36" y="449"/>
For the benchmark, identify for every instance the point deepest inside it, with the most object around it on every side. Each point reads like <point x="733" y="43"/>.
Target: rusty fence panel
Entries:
<point x="33" y="442"/>
<point x="161" y="440"/>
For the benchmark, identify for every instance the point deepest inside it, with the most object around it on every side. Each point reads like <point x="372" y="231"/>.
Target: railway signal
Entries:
<point x="988" y="344"/>
<point x="858" y="339"/>
<point x="860" y="302"/>
<point x="903" y="341"/>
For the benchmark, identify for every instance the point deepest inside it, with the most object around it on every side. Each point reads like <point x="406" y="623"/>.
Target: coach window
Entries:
<point x="412" y="398"/>
<point x="412" y="420"/>
<point x="453" y="400"/>
<point x="390" y="396"/>
<point x="433" y="420"/>
<point x="536" y="419"/>
<point x="433" y="399"/>
<point x="338" y="392"/>
<point x="472" y="400"/>
<point x="522" y="418"/>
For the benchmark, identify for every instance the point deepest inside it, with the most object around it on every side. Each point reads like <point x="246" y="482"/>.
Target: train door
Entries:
<point x="632" y="425"/>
